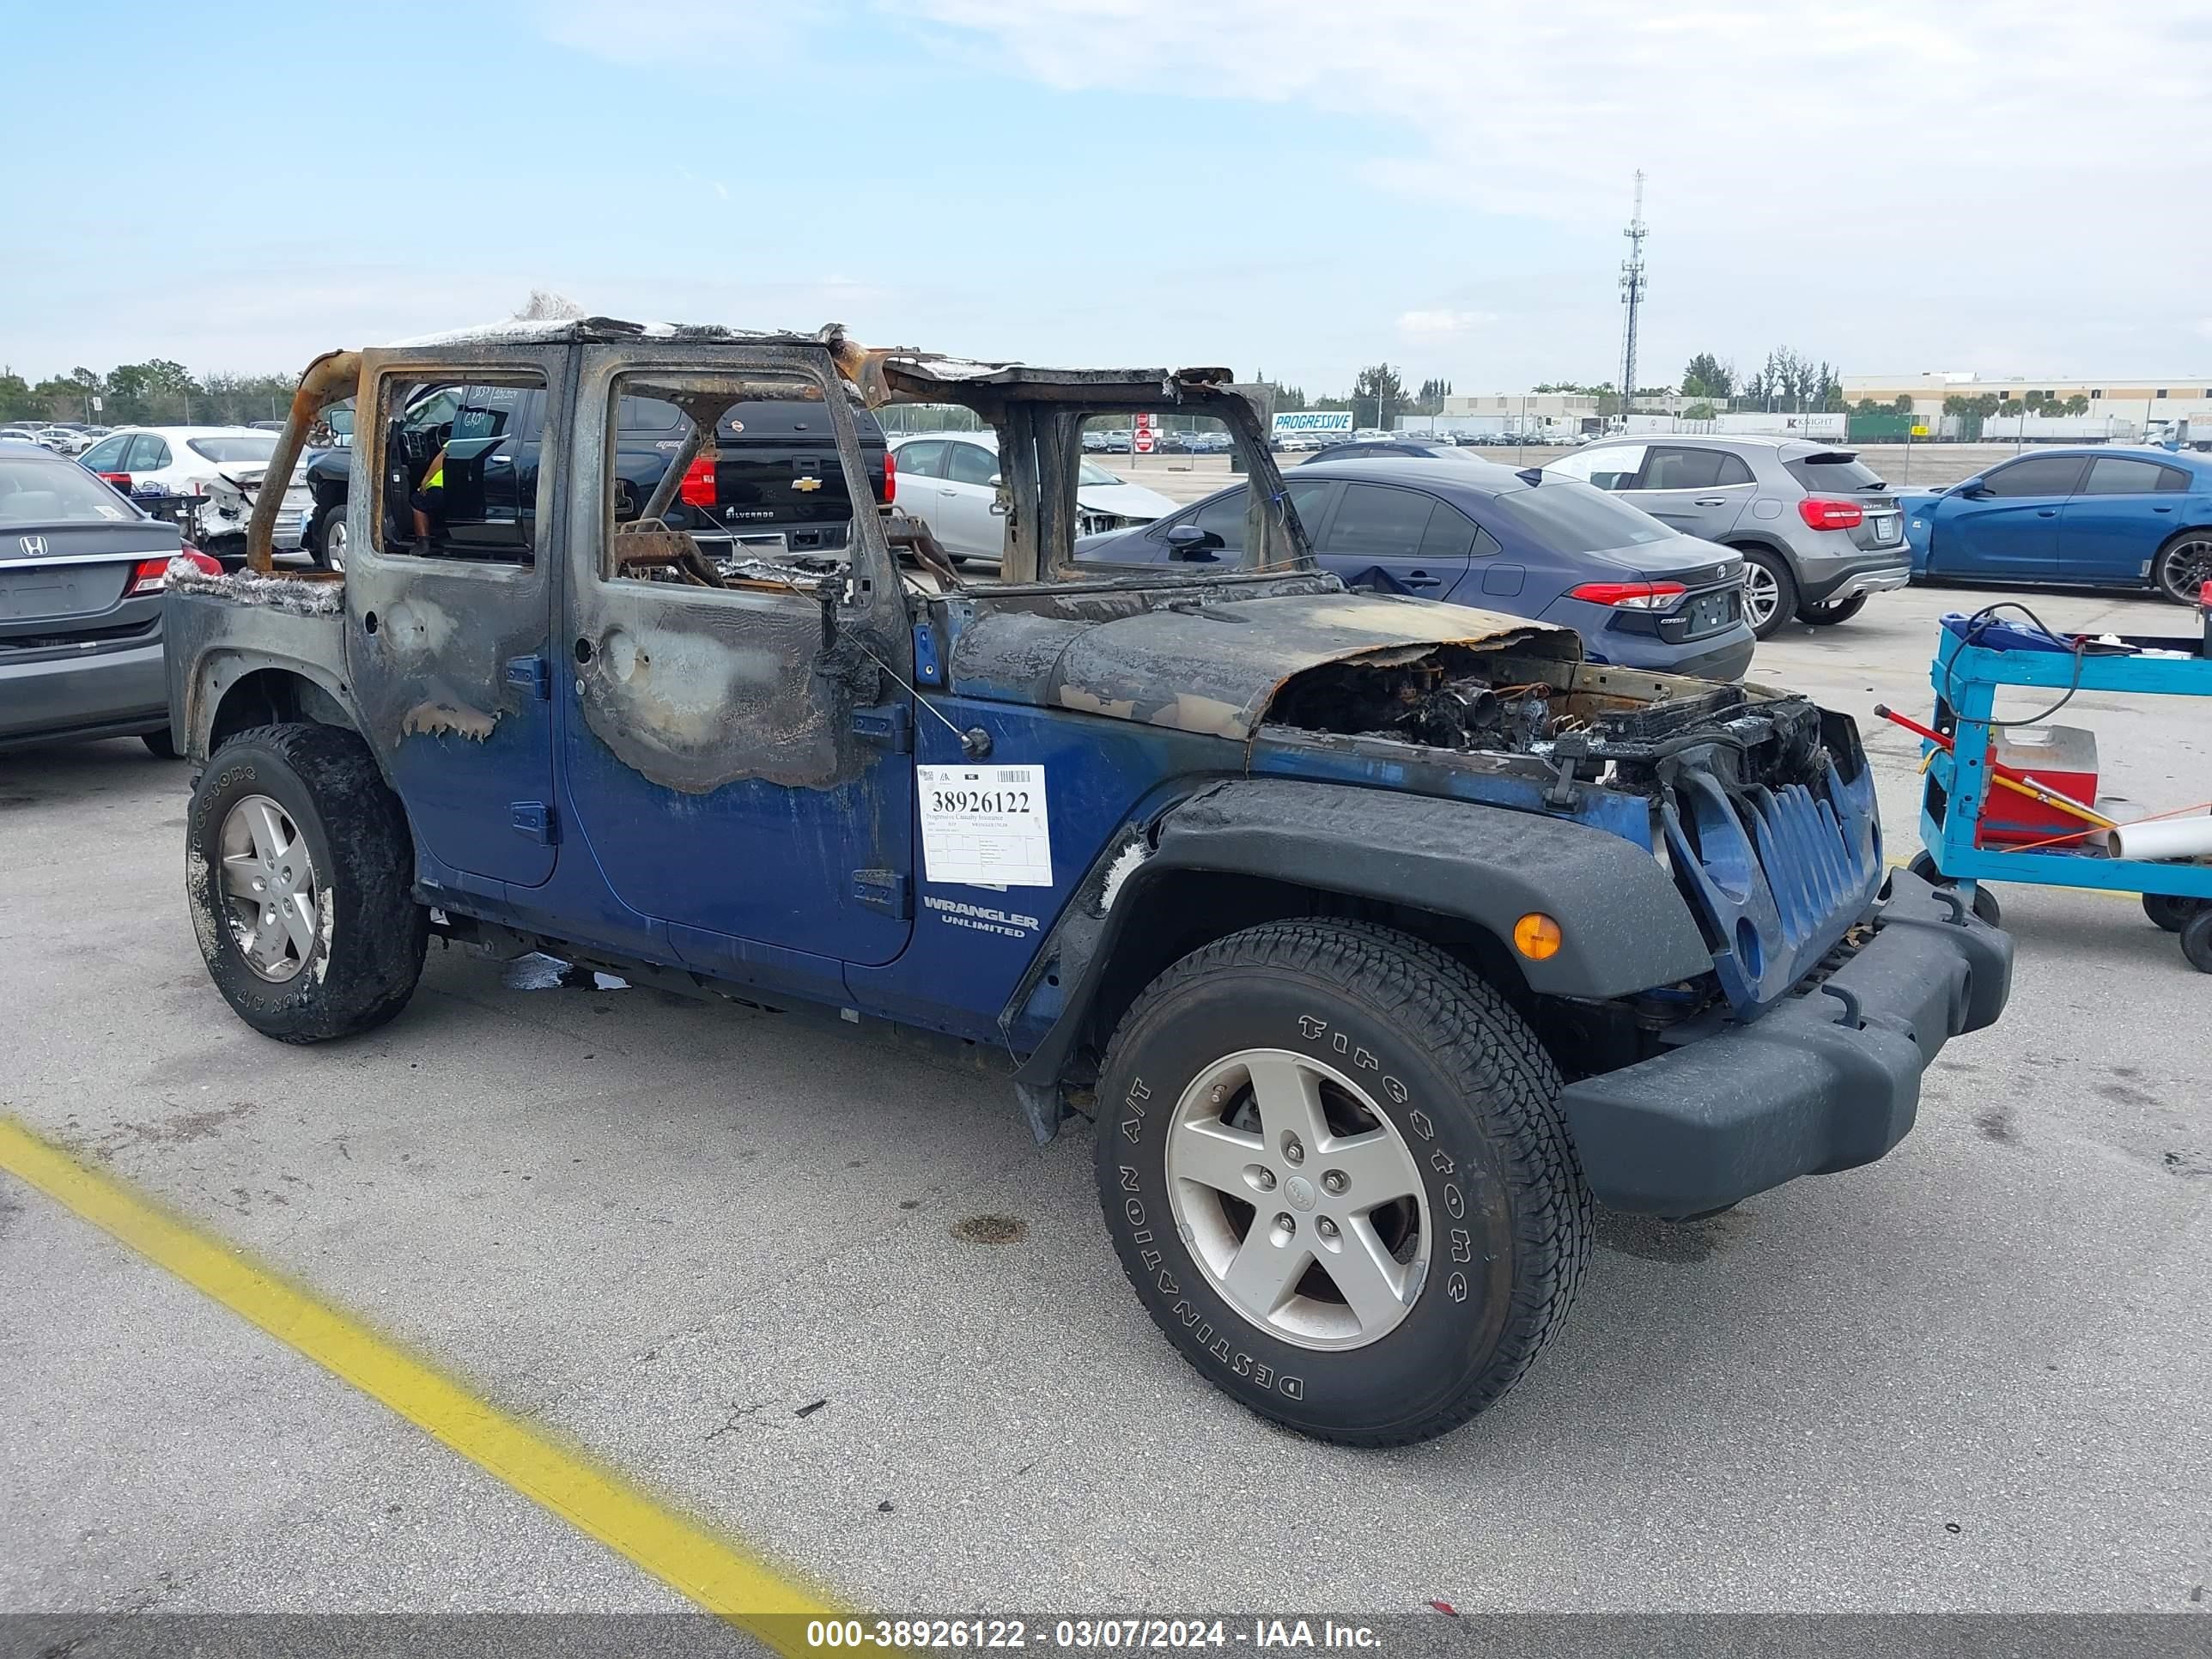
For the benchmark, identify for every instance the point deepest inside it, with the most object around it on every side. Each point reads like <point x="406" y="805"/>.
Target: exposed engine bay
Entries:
<point x="1626" y="729"/>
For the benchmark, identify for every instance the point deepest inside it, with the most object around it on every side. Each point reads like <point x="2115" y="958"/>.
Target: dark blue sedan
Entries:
<point x="1472" y="532"/>
<point x="2088" y="518"/>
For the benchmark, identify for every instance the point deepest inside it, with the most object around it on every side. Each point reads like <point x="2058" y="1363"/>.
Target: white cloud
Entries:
<point x="1886" y="180"/>
<point x="1422" y="325"/>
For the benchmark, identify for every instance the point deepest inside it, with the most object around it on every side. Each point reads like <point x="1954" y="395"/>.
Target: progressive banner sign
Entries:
<point x="1314" y="420"/>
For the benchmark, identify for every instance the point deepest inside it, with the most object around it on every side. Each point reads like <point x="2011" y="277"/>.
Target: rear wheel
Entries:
<point x="1334" y="1166"/>
<point x="1830" y="612"/>
<point x="2196" y="941"/>
<point x="1769" y="591"/>
<point x="2184" y="565"/>
<point x="2170" y="912"/>
<point x="298" y="871"/>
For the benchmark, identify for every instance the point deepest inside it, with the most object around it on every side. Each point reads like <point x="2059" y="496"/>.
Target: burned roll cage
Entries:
<point x="1037" y="413"/>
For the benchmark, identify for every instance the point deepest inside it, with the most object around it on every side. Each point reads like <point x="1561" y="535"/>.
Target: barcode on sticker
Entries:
<point x="1018" y="774"/>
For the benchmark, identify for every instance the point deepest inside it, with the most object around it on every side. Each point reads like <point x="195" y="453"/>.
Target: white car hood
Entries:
<point x="1125" y="500"/>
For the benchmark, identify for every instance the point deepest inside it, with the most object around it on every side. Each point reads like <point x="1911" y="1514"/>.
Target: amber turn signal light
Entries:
<point x="1536" y="936"/>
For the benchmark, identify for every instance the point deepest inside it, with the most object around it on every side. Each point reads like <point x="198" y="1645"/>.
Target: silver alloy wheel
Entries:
<point x="1761" y="594"/>
<point x="334" y="544"/>
<point x="1298" y="1198"/>
<point x="270" y="892"/>
<point x="2185" y="568"/>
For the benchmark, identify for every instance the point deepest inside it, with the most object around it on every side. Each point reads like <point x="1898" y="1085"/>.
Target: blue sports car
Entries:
<point x="2090" y="517"/>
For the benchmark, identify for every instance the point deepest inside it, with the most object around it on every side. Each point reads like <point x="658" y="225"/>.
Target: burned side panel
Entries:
<point x="435" y="660"/>
<point x="694" y="678"/>
<point x="213" y="638"/>
<point x="695" y="698"/>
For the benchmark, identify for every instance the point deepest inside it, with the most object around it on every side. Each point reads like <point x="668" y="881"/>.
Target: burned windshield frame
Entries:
<point x="1038" y="417"/>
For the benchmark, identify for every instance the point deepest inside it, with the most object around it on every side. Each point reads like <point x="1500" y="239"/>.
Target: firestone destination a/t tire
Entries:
<point x="1333" y="1167"/>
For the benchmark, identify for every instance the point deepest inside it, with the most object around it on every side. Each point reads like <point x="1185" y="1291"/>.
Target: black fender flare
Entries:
<point x="1624" y="926"/>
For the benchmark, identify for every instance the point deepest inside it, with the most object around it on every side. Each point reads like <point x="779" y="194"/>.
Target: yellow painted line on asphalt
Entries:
<point x="725" y="1580"/>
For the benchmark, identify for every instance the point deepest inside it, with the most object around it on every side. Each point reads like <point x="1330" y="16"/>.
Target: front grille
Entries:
<point x="1776" y="875"/>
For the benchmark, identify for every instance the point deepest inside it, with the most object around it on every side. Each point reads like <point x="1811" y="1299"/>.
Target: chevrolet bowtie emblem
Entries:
<point x="806" y="483"/>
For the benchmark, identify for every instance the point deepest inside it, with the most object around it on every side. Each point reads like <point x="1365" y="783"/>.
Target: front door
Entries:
<point x="449" y="613"/>
<point x="738" y="753"/>
<point x="2007" y="526"/>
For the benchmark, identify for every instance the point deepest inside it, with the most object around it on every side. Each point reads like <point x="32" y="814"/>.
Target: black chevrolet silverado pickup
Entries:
<point x="772" y="485"/>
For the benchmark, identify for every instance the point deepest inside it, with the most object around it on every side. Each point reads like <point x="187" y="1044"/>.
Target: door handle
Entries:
<point x="949" y="495"/>
<point x="1710" y="501"/>
<point x="2046" y="512"/>
<point x="1419" y="579"/>
<point x="2162" y="509"/>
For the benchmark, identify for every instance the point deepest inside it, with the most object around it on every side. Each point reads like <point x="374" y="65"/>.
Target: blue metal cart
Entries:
<point x="1975" y="658"/>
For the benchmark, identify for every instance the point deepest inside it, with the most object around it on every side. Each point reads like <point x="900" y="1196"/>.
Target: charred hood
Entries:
<point x="1207" y="657"/>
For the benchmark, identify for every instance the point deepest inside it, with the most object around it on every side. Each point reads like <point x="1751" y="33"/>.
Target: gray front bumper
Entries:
<point x="1822" y="1082"/>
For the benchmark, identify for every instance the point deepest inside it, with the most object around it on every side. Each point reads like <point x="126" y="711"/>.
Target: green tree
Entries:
<point x="59" y="399"/>
<point x="1377" y="394"/>
<point x="16" y="400"/>
<point x="1707" y="376"/>
<point x="157" y="390"/>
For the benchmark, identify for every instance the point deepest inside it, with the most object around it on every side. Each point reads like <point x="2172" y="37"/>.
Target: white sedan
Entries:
<point x="223" y="464"/>
<point x="950" y="480"/>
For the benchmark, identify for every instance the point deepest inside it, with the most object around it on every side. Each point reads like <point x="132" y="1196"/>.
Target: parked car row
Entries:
<point x="63" y="437"/>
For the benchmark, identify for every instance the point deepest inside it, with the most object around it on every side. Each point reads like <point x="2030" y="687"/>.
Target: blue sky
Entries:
<point x="1283" y="184"/>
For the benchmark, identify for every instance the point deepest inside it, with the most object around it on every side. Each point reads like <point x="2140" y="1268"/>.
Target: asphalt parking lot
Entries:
<point x="742" y="1261"/>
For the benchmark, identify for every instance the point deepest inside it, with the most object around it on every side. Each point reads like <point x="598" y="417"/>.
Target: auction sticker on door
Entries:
<point x="985" y="825"/>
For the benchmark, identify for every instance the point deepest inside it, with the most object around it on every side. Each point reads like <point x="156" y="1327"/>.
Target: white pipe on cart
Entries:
<point x="2164" y="839"/>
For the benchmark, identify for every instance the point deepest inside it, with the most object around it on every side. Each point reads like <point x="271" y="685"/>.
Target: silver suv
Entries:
<point x="1818" y="529"/>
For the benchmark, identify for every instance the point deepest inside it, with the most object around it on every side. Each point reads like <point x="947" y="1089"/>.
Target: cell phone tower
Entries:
<point x="1632" y="295"/>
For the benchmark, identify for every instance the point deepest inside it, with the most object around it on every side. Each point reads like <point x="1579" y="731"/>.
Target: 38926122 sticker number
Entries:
<point x="985" y="826"/>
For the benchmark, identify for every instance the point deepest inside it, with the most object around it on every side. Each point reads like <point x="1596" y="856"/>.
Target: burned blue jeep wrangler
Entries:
<point x="1379" y="940"/>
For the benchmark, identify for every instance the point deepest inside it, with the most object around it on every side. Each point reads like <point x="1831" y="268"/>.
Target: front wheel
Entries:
<point x="1334" y="1169"/>
<point x="299" y="872"/>
<point x="1769" y="591"/>
<point x="1830" y="612"/>
<point x="327" y="539"/>
<point x="2184" y="565"/>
